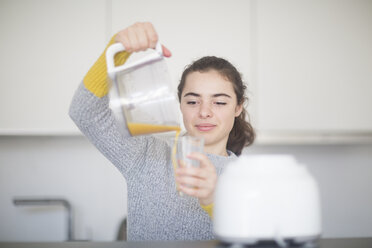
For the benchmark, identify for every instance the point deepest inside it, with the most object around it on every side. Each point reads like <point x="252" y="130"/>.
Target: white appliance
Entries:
<point x="267" y="198"/>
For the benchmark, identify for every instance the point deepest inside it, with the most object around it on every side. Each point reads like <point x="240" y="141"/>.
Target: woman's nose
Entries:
<point x="205" y="110"/>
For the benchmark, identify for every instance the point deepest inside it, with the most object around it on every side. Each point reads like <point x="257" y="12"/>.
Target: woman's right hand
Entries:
<point x="139" y="37"/>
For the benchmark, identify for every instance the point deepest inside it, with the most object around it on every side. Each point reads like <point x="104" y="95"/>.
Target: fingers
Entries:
<point x="166" y="51"/>
<point x="195" y="192"/>
<point x="193" y="172"/>
<point x="198" y="182"/>
<point x="140" y="37"/>
<point x="192" y="182"/>
<point x="197" y="178"/>
<point x="133" y="40"/>
<point x="151" y="34"/>
<point x="206" y="167"/>
<point x="135" y="37"/>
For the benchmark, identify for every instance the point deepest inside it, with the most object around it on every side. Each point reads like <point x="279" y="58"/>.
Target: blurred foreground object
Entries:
<point x="267" y="198"/>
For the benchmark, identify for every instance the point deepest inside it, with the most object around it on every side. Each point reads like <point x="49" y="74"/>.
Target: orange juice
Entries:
<point x="174" y="153"/>
<point x="141" y="128"/>
<point x="174" y="150"/>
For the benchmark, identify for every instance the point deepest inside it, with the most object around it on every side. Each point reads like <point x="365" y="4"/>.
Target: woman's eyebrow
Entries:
<point x="221" y="94"/>
<point x="191" y="94"/>
<point x="214" y="95"/>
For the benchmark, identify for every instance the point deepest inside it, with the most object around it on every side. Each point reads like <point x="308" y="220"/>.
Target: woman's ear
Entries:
<point x="238" y="110"/>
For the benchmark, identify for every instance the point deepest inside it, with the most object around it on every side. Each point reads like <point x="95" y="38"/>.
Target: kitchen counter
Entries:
<point x="322" y="243"/>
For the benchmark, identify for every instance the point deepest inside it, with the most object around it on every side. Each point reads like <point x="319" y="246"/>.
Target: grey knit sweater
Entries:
<point x="155" y="210"/>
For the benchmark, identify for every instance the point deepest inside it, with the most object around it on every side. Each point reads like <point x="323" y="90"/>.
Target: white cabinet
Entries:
<point x="307" y="63"/>
<point x="46" y="47"/>
<point x="313" y="68"/>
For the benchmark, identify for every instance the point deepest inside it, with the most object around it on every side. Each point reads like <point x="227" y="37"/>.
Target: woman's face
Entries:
<point x="209" y="107"/>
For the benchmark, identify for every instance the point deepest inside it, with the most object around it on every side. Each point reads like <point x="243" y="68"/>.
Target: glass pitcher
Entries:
<point x="141" y="95"/>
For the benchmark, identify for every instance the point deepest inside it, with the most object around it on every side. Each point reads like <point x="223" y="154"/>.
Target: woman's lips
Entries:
<point x="205" y="127"/>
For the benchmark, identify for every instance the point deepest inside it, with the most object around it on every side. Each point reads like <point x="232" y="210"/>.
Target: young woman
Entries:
<point x="211" y="94"/>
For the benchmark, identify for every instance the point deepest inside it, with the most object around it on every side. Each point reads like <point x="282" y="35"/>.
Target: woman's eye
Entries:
<point x="220" y="103"/>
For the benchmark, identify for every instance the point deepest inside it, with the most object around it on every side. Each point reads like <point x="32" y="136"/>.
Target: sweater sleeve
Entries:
<point x="96" y="79"/>
<point x="90" y="111"/>
<point x="208" y="209"/>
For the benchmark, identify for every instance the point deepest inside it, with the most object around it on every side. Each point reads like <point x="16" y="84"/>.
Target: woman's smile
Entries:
<point x="205" y="127"/>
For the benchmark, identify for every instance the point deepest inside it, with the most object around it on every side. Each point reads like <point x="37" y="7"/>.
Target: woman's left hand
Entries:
<point x="199" y="182"/>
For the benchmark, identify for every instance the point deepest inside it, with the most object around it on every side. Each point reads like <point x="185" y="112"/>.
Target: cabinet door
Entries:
<point x="46" y="47"/>
<point x="313" y="66"/>
<point x="192" y="29"/>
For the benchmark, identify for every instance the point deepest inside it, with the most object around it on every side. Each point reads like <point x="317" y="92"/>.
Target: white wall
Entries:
<point x="67" y="167"/>
<point x="72" y="168"/>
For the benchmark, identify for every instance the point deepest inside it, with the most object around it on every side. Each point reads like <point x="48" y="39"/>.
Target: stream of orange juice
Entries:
<point x="140" y="128"/>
